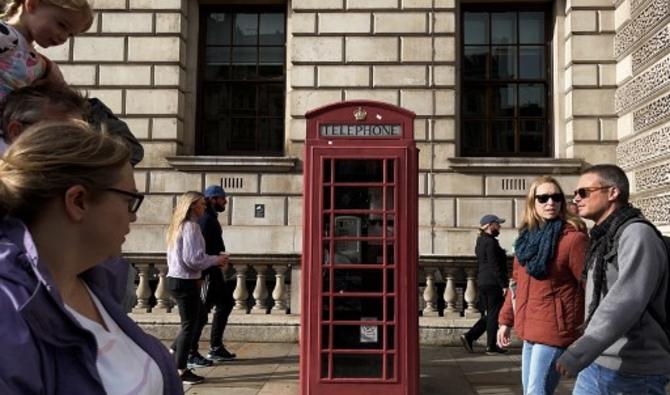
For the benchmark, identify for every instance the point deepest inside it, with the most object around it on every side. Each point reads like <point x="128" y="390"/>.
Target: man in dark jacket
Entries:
<point x="493" y="280"/>
<point x="215" y="291"/>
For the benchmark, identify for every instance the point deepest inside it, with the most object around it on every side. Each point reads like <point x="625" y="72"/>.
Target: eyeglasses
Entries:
<point x="555" y="197"/>
<point x="585" y="192"/>
<point x="134" y="203"/>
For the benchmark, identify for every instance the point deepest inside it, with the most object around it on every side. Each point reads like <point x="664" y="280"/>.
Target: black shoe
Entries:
<point x="220" y="354"/>
<point x="188" y="377"/>
<point x="495" y="350"/>
<point x="198" y="361"/>
<point x="467" y="344"/>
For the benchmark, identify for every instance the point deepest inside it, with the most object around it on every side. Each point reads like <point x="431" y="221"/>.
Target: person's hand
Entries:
<point x="224" y="261"/>
<point x="563" y="371"/>
<point x="503" y="339"/>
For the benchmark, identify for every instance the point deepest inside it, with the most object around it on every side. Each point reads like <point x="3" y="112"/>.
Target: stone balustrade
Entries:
<point x="269" y="284"/>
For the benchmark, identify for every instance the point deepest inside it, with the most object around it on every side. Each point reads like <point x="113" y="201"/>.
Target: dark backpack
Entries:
<point x="611" y="257"/>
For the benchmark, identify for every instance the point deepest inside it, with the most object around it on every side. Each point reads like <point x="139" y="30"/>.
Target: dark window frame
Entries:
<point x="224" y="148"/>
<point x="489" y="83"/>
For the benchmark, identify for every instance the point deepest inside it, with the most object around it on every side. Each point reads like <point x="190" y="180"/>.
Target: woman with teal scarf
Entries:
<point x="546" y="306"/>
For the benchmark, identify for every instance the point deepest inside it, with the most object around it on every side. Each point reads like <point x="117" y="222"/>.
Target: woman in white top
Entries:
<point x="186" y="260"/>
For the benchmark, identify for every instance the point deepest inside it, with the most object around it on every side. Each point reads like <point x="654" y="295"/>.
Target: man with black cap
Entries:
<point x="215" y="291"/>
<point x="492" y="280"/>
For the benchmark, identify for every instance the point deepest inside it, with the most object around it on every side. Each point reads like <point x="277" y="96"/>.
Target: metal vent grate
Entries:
<point x="232" y="182"/>
<point x="513" y="184"/>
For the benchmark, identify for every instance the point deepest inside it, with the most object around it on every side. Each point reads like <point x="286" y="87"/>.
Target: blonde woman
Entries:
<point x="67" y="198"/>
<point x="186" y="260"/>
<point x="549" y="294"/>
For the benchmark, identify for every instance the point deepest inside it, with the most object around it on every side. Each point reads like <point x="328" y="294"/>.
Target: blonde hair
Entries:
<point x="50" y="157"/>
<point x="531" y="220"/>
<point x="182" y="212"/>
<point x="81" y="6"/>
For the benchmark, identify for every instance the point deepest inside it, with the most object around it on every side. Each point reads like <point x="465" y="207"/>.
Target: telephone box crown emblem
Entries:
<point x="360" y="114"/>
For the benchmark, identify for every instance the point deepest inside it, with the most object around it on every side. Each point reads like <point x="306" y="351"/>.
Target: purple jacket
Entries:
<point x="44" y="350"/>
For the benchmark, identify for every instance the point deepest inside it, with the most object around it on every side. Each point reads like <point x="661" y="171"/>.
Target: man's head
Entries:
<point x="600" y="191"/>
<point x="42" y="101"/>
<point x="490" y="224"/>
<point x="216" y="198"/>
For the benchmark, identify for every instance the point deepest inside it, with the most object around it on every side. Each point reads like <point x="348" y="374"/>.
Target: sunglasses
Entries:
<point x="585" y="192"/>
<point x="134" y="203"/>
<point x="555" y="197"/>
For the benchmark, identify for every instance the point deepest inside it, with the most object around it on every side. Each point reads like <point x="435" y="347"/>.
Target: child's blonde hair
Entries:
<point x="12" y="8"/>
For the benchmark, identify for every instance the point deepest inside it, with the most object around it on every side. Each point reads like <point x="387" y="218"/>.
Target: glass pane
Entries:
<point x="216" y="101"/>
<point x="474" y="62"/>
<point x="354" y="309"/>
<point x="325" y="336"/>
<point x="272" y="29"/>
<point x="357" y="337"/>
<point x="364" y="225"/>
<point x="243" y="134"/>
<point x="326" y="252"/>
<point x="326" y="170"/>
<point x="217" y="55"/>
<point x="356" y="280"/>
<point x="531" y="62"/>
<point x="216" y="73"/>
<point x="531" y="100"/>
<point x="474" y="136"/>
<point x="359" y="251"/>
<point x="503" y="28"/>
<point x="390" y="337"/>
<point x="246" y="29"/>
<point x="390" y="170"/>
<point x="271" y="63"/>
<point x="532" y="135"/>
<point x="326" y="198"/>
<point x="390" y="362"/>
<point x="474" y="101"/>
<point x="324" y="365"/>
<point x="476" y="28"/>
<point x="357" y="366"/>
<point x="270" y="135"/>
<point x="352" y="198"/>
<point x="245" y="99"/>
<point x="218" y="28"/>
<point x="353" y="170"/>
<point x="390" y="284"/>
<point x="390" y="225"/>
<point x="502" y="133"/>
<point x="504" y="100"/>
<point x="531" y="27"/>
<point x="244" y="63"/>
<point x="390" y="254"/>
<point x="503" y="63"/>
<point x="325" y="308"/>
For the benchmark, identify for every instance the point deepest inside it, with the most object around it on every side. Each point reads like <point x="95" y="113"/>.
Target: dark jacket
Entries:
<point x="100" y="114"/>
<point x="44" y="349"/>
<point x="491" y="261"/>
<point x="212" y="232"/>
<point x="550" y="311"/>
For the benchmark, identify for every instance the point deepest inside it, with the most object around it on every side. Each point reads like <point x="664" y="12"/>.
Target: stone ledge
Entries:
<point x="516" y="165"/>
<point x="233" y="163"/>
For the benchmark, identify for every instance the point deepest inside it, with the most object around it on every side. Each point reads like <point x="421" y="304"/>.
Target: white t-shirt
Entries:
<point x="125" y="369"/>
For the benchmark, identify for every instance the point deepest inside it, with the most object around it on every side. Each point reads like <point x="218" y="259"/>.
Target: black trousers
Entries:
<point x="490" y="302"/>
<point x="187" y="295"/>
<point x="220" y="296"/>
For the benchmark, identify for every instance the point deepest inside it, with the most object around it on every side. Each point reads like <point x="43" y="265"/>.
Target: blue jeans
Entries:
<point x="538" y="368"/>
<point x="596" y="379"/>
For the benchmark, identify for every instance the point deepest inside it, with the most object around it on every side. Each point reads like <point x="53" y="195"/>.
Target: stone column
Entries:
<point x="143" y="290"/>
<point x="471" y="294"/>
<point x="240" y="294"/>
<point x="279" y="293"/>
<point x="163" y="300"/>
<point x="450" y="295"/>
<point x="260" y="291"/>
<point x="430" y="294"/>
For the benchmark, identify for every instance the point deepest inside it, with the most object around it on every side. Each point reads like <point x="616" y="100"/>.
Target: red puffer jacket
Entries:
<point x="550" y="311"/>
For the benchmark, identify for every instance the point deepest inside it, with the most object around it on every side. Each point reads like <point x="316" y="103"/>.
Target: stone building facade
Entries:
<point x="586" y="81"/>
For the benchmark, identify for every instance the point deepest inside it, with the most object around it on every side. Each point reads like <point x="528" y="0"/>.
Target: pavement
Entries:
<point x="272" y="369"/>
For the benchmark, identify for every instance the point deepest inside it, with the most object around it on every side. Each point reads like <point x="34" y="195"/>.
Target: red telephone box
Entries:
<point x="359" y="329"/>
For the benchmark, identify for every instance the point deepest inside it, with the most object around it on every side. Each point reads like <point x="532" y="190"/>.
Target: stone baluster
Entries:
<point x="279" y="293"/>
<point x="143" y="289"/>
<point x="260" y="291"/>
<point x="450" y="295"/>
<point x="241" y="293"/>
<point x="163" y="300"/>
<point x="430" y="294"/>
<point x="471" y="294"/>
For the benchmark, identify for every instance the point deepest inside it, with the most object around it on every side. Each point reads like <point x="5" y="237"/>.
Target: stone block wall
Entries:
<point x="642" y="103"/>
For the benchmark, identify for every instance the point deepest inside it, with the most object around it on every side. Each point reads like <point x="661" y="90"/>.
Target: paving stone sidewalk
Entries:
<point x="272" y="369"/>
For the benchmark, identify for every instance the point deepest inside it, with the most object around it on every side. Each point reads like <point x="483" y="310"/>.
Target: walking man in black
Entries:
<point x="493" y="280"/>
<point x="215" y="292"/>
